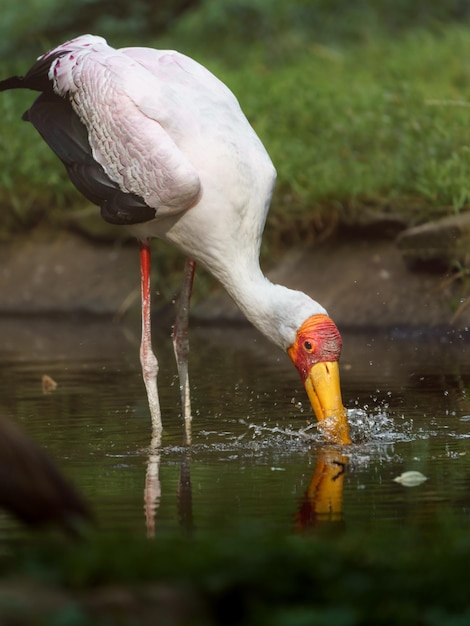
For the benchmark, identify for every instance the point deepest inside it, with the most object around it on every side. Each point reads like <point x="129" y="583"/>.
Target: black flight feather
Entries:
<point x="62" y="130"/>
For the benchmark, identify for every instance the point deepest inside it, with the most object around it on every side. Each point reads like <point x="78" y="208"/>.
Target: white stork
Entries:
<point x="162" y="146"/>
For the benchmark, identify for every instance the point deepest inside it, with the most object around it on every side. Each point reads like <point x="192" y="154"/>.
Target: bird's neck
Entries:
<point x="252" y="292"/>
<point x="274" y="310"/>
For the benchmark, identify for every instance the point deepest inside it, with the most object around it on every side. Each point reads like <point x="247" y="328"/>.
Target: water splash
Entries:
<point x="378" y="426"/>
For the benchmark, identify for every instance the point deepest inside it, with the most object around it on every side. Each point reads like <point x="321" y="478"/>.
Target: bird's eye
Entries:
<point x="308" y="347"/>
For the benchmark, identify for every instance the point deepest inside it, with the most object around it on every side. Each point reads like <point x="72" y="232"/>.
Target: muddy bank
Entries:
<point x="362" y="282"/>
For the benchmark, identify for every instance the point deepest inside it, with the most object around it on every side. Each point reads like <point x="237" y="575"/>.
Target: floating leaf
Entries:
<point x="411" y="479"/>
<point x="48" y="384"/>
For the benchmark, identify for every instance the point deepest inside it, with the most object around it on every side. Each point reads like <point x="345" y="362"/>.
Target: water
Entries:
<point x="255" y="454"/>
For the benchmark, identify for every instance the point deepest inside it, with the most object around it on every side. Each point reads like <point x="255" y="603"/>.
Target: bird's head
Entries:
<point x="315" y="353"/>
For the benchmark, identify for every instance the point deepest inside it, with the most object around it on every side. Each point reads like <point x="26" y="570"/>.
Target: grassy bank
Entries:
<point x="382" y="125"/>
<point x="354" y="115"/>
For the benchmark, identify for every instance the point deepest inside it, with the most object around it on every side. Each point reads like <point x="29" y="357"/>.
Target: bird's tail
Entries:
<point x="36" y="78"/>
<point x="14" y="82"/>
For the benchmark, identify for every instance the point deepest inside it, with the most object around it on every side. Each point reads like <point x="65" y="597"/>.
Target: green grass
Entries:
<point x="384" y="123"/>
<point x="353" y="114"/>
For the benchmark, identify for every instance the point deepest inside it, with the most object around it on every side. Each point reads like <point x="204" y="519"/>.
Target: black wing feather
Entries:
<point x="61" y="128"/>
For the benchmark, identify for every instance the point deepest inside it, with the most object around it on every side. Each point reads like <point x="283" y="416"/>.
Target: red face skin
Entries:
<point x="315" y="354"/>
<point x="318" y="341"/>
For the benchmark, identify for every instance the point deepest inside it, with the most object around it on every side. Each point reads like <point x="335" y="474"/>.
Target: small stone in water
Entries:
<point x="411" y="479"/>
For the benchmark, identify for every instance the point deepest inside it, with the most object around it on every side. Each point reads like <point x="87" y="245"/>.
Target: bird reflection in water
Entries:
<point x="321" y="504"/>
<point x="153" y="488"/>
<point x="323" y="499"/>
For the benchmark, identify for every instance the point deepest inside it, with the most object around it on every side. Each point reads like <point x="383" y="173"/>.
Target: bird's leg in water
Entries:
<point x="148" y="359"/>
<point x="181" y="339"/>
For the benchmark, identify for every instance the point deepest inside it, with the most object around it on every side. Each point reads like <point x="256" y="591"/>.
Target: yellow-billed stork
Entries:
<point x="162" y="146"/>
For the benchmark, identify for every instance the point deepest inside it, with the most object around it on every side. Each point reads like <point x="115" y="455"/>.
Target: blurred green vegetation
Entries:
<point x="326" y="577"/>
<point x="362" y="106"/>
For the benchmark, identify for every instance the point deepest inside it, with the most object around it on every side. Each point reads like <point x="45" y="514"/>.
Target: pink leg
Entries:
<point x="181" y="339"/>
<point x="148" y="359"/>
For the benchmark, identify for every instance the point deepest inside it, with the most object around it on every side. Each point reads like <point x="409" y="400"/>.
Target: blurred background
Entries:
<point x="362" y="106"/>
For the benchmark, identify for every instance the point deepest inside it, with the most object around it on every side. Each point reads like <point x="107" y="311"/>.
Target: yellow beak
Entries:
<point x="324" y="392"/>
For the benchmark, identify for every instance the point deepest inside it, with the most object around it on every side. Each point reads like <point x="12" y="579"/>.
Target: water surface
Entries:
<point x="255" y="454"/>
